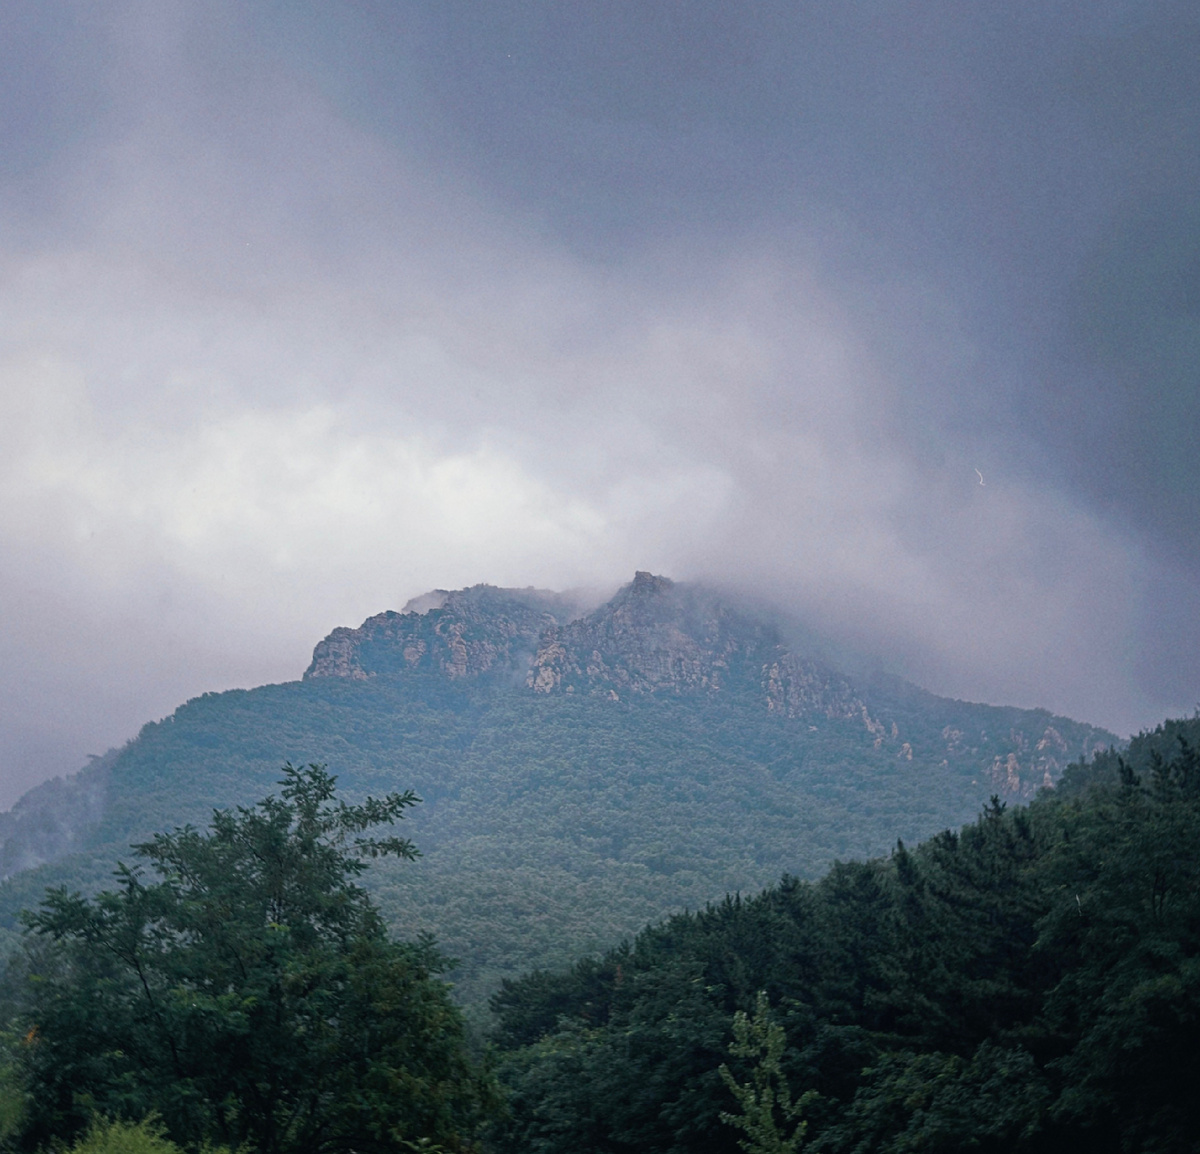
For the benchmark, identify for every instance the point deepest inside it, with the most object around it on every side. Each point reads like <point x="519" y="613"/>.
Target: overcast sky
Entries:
<point x="307" y="307"/>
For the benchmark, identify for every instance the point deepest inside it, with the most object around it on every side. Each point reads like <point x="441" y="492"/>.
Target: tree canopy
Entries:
<point x="554" y="826"/>
<point x="242" y="988"/>
<point x="1029" y="984"/>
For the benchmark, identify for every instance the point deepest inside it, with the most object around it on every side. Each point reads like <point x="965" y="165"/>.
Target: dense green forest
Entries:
<point x="553" y="824"/>
<point x="1030" y="982"/>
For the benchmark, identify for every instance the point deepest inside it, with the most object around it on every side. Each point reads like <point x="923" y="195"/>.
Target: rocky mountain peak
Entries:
<point x="645" y="586"/>
<point x="653" y="636"/>
<point x="656" y="636"/>
<point x="459" y="633"/>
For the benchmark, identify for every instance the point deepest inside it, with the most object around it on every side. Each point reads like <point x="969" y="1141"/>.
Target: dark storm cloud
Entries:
<point x="308" y="307"/>
<point x="1041" y="162"/>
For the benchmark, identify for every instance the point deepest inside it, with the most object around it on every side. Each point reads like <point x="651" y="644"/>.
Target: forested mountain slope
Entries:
<point x="1028" y="985"/>
<point x="580" y="775"/>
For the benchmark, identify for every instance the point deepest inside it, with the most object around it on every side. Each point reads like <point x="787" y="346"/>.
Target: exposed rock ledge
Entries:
<point x="654" y="636"/>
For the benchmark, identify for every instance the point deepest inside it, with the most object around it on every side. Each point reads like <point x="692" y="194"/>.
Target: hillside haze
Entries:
<point x="582" y="773"/>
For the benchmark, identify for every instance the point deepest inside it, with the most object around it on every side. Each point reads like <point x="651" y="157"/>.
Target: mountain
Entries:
<point x="583" y="773"/>
<point x="466" y="633"/>
<point x="54" y="819"/>
<point x="1024" y="984"/>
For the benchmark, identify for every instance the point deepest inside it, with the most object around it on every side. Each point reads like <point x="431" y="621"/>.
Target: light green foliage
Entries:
<point x="769" y="1117"/>
<point x="116" y="1137"/>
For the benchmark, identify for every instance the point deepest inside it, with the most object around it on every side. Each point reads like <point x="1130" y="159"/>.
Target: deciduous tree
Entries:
<point x="242" y="987"/>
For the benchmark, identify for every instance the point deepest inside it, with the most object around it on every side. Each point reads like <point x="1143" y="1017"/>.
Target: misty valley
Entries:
<point x="653" y="876"/>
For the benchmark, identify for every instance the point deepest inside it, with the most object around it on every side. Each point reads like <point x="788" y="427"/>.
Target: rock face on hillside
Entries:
<point x="461" y="634"/>
<point x="653" y="637"/>
<point x="659" y="638"/>
<point x="656" y="636"/>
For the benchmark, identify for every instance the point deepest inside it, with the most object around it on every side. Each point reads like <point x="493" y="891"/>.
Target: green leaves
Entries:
<point x="1027" y="985"/>
<point x="250" y="994"/>
<point x="144" y="1137"/>
<point x="769" y="1117"/>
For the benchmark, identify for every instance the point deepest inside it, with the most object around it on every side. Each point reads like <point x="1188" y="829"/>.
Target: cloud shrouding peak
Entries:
<point x="270" y="363"/>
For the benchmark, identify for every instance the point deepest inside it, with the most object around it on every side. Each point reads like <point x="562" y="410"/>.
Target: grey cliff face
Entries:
<point x="656" y="637"/>
<point x="653" y="637"/>
<point x="461" y="634"/>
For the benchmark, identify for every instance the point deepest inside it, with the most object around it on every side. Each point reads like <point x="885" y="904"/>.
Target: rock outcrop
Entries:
<point x="653" y="637"/>
<point x="659" y="638"/>
<point x="464" y="633"/>
<point x="1032" y="765"/>
<point x="656" y="637"/>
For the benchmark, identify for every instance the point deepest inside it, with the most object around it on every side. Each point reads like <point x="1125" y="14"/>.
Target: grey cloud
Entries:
<point x="323" y="307"/>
